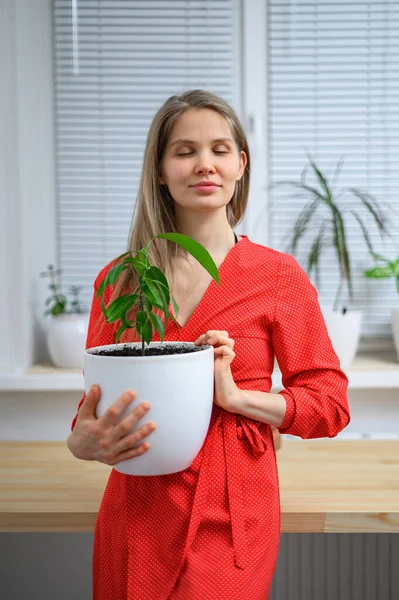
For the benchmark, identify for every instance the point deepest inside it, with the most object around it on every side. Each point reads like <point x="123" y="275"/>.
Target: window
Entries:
<point x="115" y="63"/>
<point x="333" y="88"/>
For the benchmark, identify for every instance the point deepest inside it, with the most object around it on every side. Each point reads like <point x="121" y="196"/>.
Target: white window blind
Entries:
<point x="334" y="89"/>
<point x="116" y="62"/>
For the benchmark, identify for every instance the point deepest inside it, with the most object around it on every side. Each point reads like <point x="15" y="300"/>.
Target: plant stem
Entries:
<point x="142" y="338"/>
<point x="53" y="283"/>
<point x="339" y="292"/>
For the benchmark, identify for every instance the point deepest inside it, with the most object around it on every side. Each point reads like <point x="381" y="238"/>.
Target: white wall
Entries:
<point x="27" y="176"/>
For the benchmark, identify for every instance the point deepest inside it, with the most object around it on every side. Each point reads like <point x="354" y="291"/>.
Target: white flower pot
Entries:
<point x="179" y="388"/>
<point x="344" y="332"/>
<point x="395" y="329"/>
<point x="66" y="339"/>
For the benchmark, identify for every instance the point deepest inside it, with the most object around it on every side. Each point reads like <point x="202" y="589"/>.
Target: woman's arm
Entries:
<point x="260" y="406"/>
<point x="314" y="400"/>
<point x="315" y="387"/>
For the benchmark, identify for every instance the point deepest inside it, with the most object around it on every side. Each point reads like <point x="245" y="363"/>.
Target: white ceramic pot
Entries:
<point x="395" y="329"/>
<point x="66" y="339"/>
<point x="344" y="332"/>
<point x="179" y="388"/>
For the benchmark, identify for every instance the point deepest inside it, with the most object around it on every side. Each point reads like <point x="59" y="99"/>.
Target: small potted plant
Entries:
<point x="176" y="378"/>
<point x="67" y="331"/>
<point x="323" y="222"/>
<point x="383" y="269"/>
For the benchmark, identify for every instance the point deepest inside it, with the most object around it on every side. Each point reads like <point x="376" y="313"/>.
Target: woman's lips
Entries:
<point x="207" y="189"/>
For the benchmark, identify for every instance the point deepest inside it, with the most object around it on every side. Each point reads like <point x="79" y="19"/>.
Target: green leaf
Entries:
<point x="305" y="187"/>
<point x="120" y="306"/>
<point x="143" y="326"/>
<point x="148" y="305"/>
<point x="155" y="288"/>
<point x="126" y="323"/>
<point x="103" y="307"/>
<point x="337" y="172"/>
<point x="153" y="292"/>
<point x="315" y="253"/>
<point x="156" y="281"/>
<point x="164" y="301"/>
<point x="364" y="231"/>
<point x="121" y="329"/>
<point x="344" y="252"/>
<point x="111" y="278"/>
<point x="372" y="206"/>
<point x="379" y="273"/>
<point x="171" y="317"/>
<point x="156" y="274"/>
<point x="175" y="307"/>
<point x="58" y="308"/>
<point x="302" y="223"/>
<point x="382" y="258"/>
<point x="119" y="258"/>
<point x="158" y="325"/>
<point x="322" y="180"/>
<point x="139" y="262"/>
<point x="196" y="250"/>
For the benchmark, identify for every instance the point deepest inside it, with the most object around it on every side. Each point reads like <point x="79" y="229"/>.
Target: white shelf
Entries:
<point x="43" y="378"/>
<point x="378" y="372"/>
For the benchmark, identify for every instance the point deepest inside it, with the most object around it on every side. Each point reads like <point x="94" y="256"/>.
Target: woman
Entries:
<point x="210" y="532"/>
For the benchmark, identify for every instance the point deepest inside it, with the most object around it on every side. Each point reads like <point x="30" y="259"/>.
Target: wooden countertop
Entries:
<point x="326" y="486"/>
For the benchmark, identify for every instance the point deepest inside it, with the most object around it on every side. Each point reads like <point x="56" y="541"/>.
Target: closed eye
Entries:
<point x="215" y="151"/>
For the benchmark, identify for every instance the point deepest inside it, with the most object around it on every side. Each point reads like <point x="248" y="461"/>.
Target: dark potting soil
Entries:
<point x="161" y="350"/>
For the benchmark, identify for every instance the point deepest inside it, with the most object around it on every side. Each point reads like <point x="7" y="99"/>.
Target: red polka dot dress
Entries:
<point x="211" y="532"/>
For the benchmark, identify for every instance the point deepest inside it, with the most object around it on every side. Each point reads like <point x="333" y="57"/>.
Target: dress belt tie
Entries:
<point x="236" y="429"/>
<point x="244" y="429"/>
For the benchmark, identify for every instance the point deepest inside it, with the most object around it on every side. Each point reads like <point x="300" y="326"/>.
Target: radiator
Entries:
<point x="337" y="566"/>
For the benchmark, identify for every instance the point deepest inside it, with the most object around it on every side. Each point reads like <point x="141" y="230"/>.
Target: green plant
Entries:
<point x="58" y="300"/>
<point x="154" y="289"/>
<point x="387" y="269"/>
<point x="330" y="230"/>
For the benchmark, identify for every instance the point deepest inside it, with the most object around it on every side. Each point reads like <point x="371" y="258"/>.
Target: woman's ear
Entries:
<point x="243" y="164"/>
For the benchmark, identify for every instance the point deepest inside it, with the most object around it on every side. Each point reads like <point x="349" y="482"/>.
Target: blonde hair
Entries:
<point x="154" y="210"/>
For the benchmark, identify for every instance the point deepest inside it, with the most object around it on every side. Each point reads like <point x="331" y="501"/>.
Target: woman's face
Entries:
<point x="201" y="149"/>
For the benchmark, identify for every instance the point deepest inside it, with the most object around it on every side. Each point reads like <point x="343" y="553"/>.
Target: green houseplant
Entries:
<point x="383" y="269"/>
<point x="67" y="330"/>
<point x="178" y="385"/>
<point x="154" y="289"/>
<point x="58" y="301"/>
<point x="322" y="222"/>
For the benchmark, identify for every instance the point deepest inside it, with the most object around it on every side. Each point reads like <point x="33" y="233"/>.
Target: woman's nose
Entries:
<point x="205" y="166"/>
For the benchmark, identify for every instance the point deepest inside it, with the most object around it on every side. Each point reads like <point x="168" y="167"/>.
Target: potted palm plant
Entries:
<point x="383" y="269"/>
<point x="67" y="330"/>
<point x="176" y="378"/>
<point x="323" y="222"/>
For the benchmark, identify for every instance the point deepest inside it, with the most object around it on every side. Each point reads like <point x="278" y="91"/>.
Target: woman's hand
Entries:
<point x="226" y="391"/>
<point x="104" y="439"/>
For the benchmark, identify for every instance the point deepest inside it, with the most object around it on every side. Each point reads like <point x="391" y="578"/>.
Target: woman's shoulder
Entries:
<point x="273" y="258"/>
